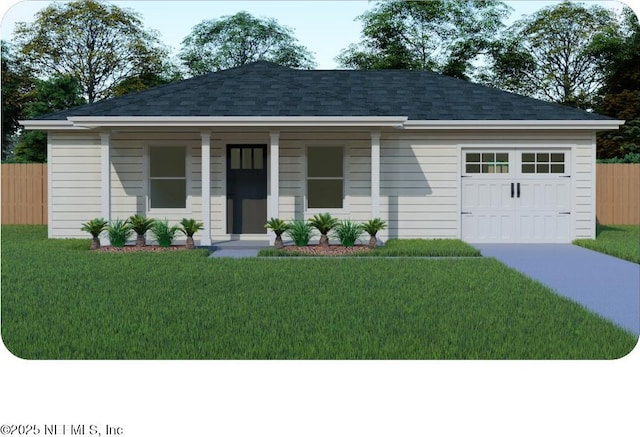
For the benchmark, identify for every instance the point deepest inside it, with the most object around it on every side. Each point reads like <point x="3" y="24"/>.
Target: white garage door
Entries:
<point x="516" y="196"/>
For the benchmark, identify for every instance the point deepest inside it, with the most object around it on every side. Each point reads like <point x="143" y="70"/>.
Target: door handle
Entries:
<point x="512" y="190"/>
<point x="518" y="190"/>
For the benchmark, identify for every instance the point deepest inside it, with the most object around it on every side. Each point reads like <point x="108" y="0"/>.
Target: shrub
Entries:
<point x="300" y="232"/>
<point x="372" y="227"/>
<point x="163" y="233"/>
<point x="95" y="227"/>
<point x="140" y="225"/>
<point x="119" y="232"/>
<point x="348" y="232"/>
<point x="278" y="227"/>
<point x="190" y="227"/>
<point x="324" y="223"/>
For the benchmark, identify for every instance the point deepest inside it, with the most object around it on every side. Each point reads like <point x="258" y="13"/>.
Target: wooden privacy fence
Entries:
<point x="24" y="194"/>
<point x="618" y="194"/>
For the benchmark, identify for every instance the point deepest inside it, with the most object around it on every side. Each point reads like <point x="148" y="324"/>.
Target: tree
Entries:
<point x="16" y="84"/>
<point x="232" y="41"/>
<point x="551" y="55"/>
<point x="60" y="92"/>
<point x="98" y="43"/>
<point x="444" y="36"/>
<point x="620" y="58"/>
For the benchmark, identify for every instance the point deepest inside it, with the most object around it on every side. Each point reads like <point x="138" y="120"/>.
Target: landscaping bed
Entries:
<point x="130" y="248"/>
<point x="392" y="248"/>
<point x="331" y="250"/>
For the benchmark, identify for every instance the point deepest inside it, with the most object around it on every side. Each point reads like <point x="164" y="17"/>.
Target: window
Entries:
<point x="246" y="158"/>
<point x="487" y="163"/>
<point x="541" y="163"/>
<point x="325" y="177"/>
<point x="167" y="177"/>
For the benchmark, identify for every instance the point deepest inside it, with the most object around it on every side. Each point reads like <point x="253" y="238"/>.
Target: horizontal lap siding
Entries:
<point x="584" y="190"/>
<point x="291" y="187"/>
<point x="418" y="188"/>
<point x="75" y="183"/>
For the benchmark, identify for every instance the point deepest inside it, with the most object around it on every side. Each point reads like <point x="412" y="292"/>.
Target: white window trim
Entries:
<point x="345" y="180"/>
<point x="187" y="176"/>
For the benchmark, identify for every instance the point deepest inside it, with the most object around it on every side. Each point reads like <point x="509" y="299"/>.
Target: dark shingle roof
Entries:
<point x="267" y="89"/>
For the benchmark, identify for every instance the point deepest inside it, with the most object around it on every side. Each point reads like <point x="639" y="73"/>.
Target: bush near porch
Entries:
<point x="62" y="301"/>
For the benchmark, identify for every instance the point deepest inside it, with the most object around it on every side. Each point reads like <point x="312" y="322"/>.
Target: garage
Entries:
<point x="516" y="195"/>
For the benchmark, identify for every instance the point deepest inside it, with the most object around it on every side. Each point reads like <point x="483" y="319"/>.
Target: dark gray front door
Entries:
<point x="246" y="189"/>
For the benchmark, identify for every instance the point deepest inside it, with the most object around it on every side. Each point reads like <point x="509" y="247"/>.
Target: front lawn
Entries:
<point x="62" y="301"/>
<point x="621" y="241"/>
<point x="413" y="248"/>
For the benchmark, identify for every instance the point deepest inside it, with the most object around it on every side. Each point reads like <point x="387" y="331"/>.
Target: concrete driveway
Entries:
<point x="604" y="284"/>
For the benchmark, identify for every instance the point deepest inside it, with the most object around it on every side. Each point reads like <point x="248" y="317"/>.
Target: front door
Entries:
<point x="246" y="189"/>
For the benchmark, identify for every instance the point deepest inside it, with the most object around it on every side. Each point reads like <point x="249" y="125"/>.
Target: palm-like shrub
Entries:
<point x="300" y="232"/>
<point x="190" y="227"/>
<point x="324" y="223"/>
<point x="163" y="233"/>
<point x="372" y="227"/>
<point x="278" y="227"/>
<point x="348" y="232"/>
<point x="140" y="225"/>
<point x="95" y="227"/>
<point x="119" y="232"/>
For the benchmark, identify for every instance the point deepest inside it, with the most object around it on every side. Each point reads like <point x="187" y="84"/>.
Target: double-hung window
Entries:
<point x="167" y="177"/>
<point x="325" y="177"/>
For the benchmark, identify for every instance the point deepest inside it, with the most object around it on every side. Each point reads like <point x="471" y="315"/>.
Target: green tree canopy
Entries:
<point x="444" y="36"/>
<point x="16" y="84"/>
<point x="100" y="44"/>
<point x="58" y="93"/>
<point x="620" y="96"/>
<point x="232" y="41"/>
<point x="552" y="54"/>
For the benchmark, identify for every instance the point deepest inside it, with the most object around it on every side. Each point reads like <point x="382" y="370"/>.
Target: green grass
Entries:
<point x="620" y="241"/>
<point x="62" y="301"/>
<point x="394" y="248"/>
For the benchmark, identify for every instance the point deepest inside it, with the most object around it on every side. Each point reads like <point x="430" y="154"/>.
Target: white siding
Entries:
<point x="75" y="183"/>
<point x="584" y="184"/>
<point x="419" y="172"/>
<point x="418" y="188"/>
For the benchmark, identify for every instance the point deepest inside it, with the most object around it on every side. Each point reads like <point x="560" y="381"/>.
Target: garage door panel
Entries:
<point x="486" y="195"/>
<point x="531" y="202"/>
<point x="547" y="195"/>
<point x="488" y="227"/>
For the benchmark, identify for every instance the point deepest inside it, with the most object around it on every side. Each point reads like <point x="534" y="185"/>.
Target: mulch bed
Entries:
<point x="331" y="250"/>
<point x="141" y="249"/>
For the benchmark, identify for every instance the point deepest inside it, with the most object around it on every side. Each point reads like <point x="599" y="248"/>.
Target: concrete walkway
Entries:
<point x="237" y="248"/>
<point x="604" y="284"/>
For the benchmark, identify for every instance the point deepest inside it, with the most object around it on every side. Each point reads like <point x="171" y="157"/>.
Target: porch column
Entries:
<point x="375" y="174"/>
<point x="105" y="184"/>
<point x="206" y="188"/>
<point x="274" y="178"/>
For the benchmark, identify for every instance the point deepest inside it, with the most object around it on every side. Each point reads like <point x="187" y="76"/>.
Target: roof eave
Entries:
<point x="82" y="122"/>
<point x="49" y="125"/>
<point x="513" y="124"/>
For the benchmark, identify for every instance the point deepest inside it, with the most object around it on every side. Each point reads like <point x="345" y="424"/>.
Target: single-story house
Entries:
<point x="434" y="156"/>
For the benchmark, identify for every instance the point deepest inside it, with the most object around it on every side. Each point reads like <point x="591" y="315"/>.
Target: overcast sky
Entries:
<point x="324" y="27"/>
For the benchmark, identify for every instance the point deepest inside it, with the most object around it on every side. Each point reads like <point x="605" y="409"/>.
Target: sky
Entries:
<point x="386" y="398"/>
<point x="324" y="27"/>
